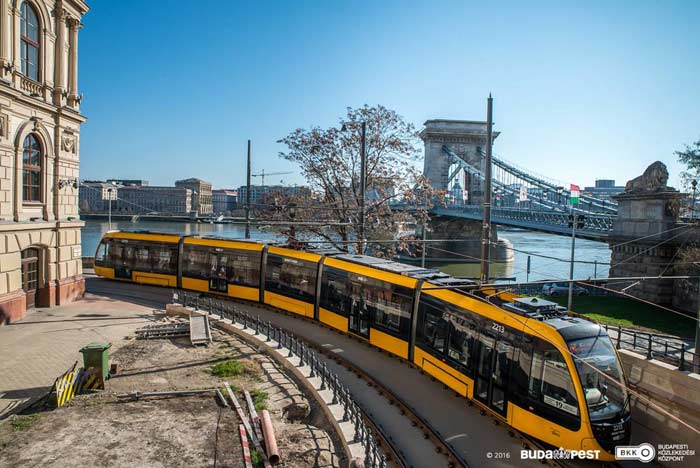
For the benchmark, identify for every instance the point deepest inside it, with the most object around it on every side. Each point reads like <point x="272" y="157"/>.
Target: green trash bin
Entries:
<point x="96" y="355"/>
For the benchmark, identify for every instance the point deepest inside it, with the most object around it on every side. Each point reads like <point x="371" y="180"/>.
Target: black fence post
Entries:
<point x="681" y="365"/>
<point x="619" y="336"/>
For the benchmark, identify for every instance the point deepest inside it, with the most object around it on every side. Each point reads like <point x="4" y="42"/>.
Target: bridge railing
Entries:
<point x="593" y="222"/>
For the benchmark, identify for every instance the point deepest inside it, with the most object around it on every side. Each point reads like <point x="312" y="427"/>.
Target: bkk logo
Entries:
<point x="642" y="452"/>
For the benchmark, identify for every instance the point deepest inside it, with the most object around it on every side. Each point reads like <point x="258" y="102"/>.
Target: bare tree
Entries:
<point x="691" y="158"/>
<point x="330" y="160"/>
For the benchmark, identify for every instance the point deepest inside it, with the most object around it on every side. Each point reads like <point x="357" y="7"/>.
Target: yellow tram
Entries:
<point x="552" y="376"/>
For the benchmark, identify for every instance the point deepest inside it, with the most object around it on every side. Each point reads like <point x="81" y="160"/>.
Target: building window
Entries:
<point x="31" y="162"/>
<point x="29" y="35"/>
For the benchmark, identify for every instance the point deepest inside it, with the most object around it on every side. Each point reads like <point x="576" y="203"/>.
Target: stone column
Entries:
<point x="17" y="60"/>
<point x="5" y="36"/>
<point x="60" y="63"/>
<point x="73" y="98"/>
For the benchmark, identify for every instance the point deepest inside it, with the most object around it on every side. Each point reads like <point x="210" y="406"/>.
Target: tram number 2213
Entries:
<point x="498" y="328"/>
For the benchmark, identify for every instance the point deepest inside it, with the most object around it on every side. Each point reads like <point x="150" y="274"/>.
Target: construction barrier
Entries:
<point x="75" y="381"/>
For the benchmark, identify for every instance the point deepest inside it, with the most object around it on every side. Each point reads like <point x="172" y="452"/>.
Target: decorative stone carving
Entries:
<point x="654" y="179"/>
<point x="68" y="143"/>
<point x="3" y="125"/>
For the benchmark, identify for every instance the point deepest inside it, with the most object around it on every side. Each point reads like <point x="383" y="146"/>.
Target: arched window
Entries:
<point x="29" y="35"/>
<point x="31" y="160"/>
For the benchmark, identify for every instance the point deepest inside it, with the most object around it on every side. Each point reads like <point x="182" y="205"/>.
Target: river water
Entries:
<point x="536" y="244"/>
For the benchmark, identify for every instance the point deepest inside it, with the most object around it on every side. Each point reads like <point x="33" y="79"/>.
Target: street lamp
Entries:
<point x="694" y="184"/>
<point x="363" y="175"/>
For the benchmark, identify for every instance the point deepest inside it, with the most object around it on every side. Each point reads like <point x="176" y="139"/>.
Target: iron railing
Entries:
<point x="655" y="347"/>
<point x="295" y="347"/>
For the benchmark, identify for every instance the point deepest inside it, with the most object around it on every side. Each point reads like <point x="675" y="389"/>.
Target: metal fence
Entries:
<point x="654" y="347"/>
<point x="295" y="347"/>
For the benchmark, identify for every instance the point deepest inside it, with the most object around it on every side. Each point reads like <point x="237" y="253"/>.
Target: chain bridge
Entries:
<point x="455" y="164"/>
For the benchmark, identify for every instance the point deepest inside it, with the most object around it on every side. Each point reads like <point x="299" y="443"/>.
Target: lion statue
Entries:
<point x="655" y="178"/>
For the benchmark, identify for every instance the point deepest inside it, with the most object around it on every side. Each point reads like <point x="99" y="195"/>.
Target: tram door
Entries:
<point x="124" y="258"/>
<point x="492" y="373"/>
<point x="358" y="321"/>
<point x="217" y="271"/>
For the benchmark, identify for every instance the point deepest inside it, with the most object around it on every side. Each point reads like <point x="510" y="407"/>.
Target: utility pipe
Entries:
<point x="270" y="441"/>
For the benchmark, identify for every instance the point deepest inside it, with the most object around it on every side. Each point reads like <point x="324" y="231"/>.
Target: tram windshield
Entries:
<point x="601" y="377"/>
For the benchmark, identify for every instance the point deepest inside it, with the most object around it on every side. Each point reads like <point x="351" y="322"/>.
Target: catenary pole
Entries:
<point x="486" y="228"/>
<point x="363" y="183"/>
<point x="247" y="197"/>
<point x="571" y="264"/>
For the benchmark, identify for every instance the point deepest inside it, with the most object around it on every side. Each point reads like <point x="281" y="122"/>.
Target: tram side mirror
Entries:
<point x="604" y="390"/>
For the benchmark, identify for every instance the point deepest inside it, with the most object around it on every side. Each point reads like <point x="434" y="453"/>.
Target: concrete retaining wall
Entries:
<point x="675" y="391"/>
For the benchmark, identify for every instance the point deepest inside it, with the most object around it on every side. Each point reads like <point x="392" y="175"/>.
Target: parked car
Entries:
<point x="562" y="289"/>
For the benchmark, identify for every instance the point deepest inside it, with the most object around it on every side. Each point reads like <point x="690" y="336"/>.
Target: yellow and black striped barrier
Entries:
<point x="74" y="381"/>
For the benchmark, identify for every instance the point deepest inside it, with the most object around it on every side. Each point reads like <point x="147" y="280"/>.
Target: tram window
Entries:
<point x="550" y="380"/>
<point x="240" y="267"/>
<point x="195" y="262"/>
<point x="334" y="291"/>
<point x="462" y="339"/>
<point x="446" y="329"/>
<point x="246" y="268"/>
<point x="101" y="254"/>
<point x="142" y="258"/>
<point x="291" y="277"/>
<point x="163" y="258"/>
<point x="390" y="306"/>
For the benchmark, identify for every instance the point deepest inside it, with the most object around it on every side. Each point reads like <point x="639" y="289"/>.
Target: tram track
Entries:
<point x="396" y="457"/>
<point x="452" y="457"/>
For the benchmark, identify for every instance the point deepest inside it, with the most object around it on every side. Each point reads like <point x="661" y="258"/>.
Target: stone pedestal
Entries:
<point x="461" y="241"/>
<point x="641" y="243"/>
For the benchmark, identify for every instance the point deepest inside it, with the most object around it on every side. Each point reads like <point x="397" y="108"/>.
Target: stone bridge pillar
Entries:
<point x="640" y="242"/>
<point x="465" y="138"/>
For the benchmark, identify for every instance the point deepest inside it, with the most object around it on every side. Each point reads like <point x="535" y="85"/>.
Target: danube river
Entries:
<point x="536" y="244"/>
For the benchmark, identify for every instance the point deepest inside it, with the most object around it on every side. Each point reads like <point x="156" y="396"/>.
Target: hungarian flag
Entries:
<point x="575" y="190"/>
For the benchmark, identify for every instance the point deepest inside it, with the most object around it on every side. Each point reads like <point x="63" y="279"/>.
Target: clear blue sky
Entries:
<point x="583" y="90"/>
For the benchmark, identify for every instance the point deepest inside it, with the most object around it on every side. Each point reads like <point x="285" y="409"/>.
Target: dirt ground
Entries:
<point x="104" y="430"/>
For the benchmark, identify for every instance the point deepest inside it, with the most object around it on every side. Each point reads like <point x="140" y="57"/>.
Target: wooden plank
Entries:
<point x="246" y="423"/>
<point x="246" y="449"/>
<point x="254" y="416"/>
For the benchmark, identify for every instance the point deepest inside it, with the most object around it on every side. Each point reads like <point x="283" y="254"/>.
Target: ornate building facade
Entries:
<point x="40" y="119"/>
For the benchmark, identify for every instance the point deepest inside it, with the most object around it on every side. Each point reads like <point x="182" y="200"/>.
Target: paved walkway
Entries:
<point x="36" y="350"/>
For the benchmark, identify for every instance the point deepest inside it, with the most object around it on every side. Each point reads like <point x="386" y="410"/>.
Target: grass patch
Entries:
<point x="257" y="459"/>
<point x="235" y="368"/>
<point x="23" y="422"/>
<point x="629" y="313"/>
<point x="228" y="368"/>
<point x="259" y="399"/>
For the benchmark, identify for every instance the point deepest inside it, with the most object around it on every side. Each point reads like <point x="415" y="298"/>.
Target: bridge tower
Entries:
<point x="466" y="138"/>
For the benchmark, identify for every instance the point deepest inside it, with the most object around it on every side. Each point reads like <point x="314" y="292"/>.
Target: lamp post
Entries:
<point x="694" y="184"/>
<point x="109" y="203"/>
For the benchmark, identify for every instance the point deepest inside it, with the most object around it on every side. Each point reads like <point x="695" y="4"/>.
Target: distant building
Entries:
<point x="156" y="200"/>
<point x="201" y="194"/>
<point x="224" y="201"/>
<point x="604" y="189"/>
<point x="129" y="182"/>
<point x="259" y="193"/>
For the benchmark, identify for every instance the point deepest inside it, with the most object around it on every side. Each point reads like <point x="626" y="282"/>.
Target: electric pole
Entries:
<point x="247" y="198"/>
<point x="363" y="183"/>
<point x="571" y="265"/>
<point x="486" y="230"/>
